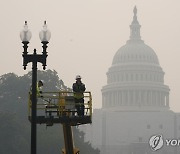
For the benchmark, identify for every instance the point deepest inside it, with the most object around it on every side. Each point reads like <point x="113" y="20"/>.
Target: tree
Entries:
<point x="14" y="138"/>
<point x="84" y="148"/>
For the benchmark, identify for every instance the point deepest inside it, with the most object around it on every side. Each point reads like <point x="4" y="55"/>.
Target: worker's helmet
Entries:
<point x="41" y="82"/>
<point x="78" y="77"/>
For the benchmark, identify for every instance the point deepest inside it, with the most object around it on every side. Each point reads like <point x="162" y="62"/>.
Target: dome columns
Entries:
<point x="135" y="98"/>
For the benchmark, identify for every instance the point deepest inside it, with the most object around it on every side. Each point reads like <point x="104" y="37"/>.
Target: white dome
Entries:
<point x="135" y="52"/>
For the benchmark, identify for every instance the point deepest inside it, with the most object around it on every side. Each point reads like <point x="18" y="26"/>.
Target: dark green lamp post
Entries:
<point x="25" y="36"/>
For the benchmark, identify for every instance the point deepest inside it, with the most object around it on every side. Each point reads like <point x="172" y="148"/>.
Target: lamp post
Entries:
<point x="25" y="36"/>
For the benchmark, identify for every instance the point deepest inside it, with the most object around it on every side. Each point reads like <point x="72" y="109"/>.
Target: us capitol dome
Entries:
<point x="135" y="81"/>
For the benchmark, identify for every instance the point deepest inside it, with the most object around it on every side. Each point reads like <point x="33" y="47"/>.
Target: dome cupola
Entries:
<point x="135" y="50"/>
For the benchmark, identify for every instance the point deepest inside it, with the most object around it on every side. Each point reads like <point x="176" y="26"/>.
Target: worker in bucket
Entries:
<point x="78" y="89"/>
<point x="38" y="89"/>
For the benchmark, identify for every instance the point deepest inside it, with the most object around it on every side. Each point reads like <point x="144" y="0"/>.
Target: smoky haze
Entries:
<point x="87" y="34"/>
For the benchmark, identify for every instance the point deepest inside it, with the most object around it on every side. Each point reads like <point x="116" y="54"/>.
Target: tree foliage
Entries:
<point x="15" y="127"/>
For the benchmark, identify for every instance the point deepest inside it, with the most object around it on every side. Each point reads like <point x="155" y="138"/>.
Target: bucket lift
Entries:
<point x="59" y="107"/>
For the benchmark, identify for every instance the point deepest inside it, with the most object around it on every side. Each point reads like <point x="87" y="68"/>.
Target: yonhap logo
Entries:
<point x="156" y="142"/>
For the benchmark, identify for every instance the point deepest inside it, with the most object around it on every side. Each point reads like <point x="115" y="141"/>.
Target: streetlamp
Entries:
<point x="25" y="36"/>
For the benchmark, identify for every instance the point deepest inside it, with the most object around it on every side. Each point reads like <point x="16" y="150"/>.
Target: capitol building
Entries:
<point x="135" y="78"/>
<point x="135" y="103"/>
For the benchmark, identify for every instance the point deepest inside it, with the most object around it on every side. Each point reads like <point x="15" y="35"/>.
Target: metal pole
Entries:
<point x="34" y="102"/>
<point x="34" y="58"/>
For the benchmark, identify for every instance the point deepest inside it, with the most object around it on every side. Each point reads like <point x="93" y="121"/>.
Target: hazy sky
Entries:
<point x="87" y="33"/>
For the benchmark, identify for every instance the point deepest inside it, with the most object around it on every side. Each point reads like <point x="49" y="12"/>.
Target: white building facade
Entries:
<point x="135" y="102"/>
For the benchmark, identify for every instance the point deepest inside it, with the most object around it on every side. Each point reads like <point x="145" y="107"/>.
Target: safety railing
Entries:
<point x="59" y="104"/>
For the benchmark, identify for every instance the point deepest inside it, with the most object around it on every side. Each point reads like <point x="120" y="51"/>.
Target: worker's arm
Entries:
<point x="82" y="87"/>
<point x="39" y="92"/>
